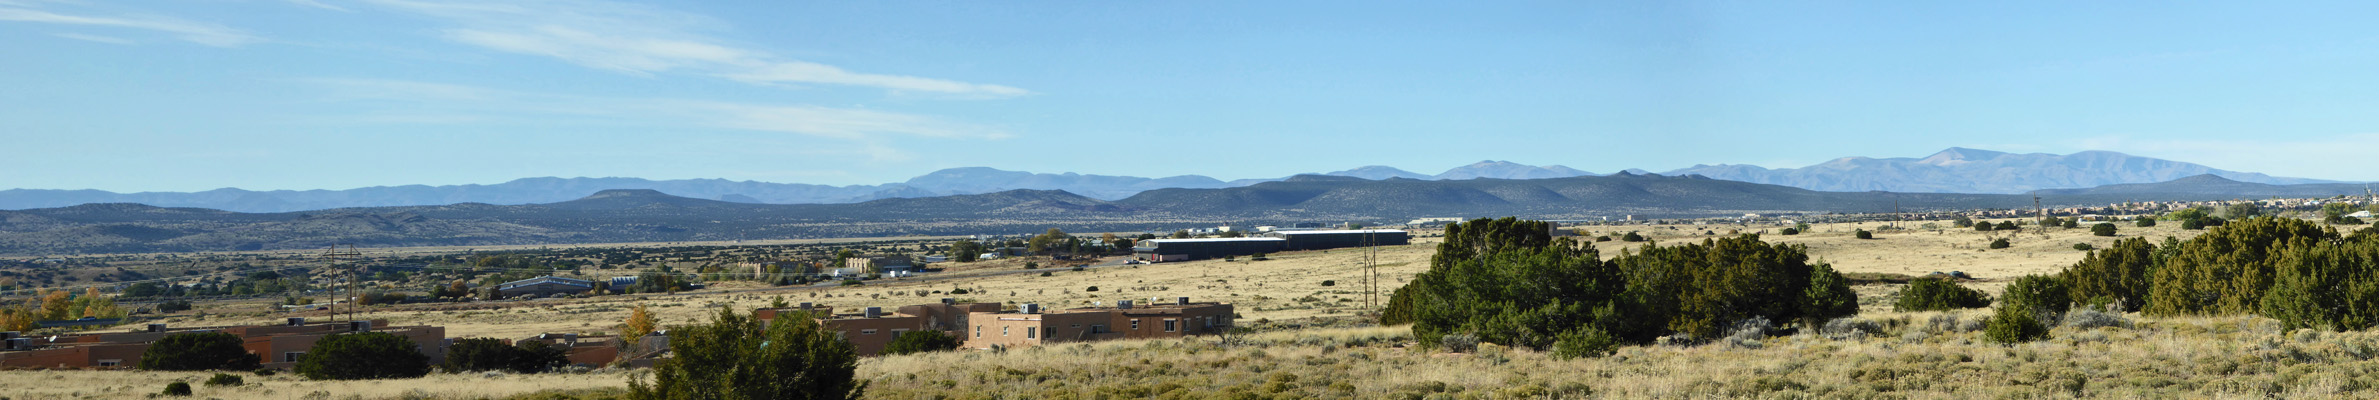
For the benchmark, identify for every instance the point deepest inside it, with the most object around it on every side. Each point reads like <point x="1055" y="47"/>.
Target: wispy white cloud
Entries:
<point x="641" y="40"/>
<point x="317" y="4"/>
<point x="195" y="32"/>
<point x="424" y="102"/>
<point x="94" y="38"/>
<point x="2318" y="157"/>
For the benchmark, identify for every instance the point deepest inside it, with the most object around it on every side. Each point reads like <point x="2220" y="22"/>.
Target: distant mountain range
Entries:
<point x="644" y="215"/>
<point x="953" y="181"/>
<point x="1960" y="170"/>
<point x="1955" y="170"/>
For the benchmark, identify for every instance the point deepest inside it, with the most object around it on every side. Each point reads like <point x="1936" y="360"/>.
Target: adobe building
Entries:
<point x="1031" y="326"/>
<point x="277" y="346"/>
<point x="871" y="329"/>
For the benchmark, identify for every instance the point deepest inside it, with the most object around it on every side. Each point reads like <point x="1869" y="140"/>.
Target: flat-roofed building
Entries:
<point x="1332" y="239"/>
<point x="1029" y="326"/>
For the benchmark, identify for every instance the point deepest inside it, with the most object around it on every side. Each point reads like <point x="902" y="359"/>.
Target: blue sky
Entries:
<point x="333" y="94"/>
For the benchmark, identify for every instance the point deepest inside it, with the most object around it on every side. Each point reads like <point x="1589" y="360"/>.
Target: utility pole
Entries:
<point x="2043" y="220"/>
<point x="340" y="252"/>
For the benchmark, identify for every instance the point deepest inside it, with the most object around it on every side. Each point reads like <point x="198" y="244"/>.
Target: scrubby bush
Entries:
<point x="225" y="380"/>
<point x="921" y="342"/>
<point x="1459" y="342"/>
<point x="1632" y="237"/>
<point x="2103" y="229"/>
<point x="1938" y="295"/>
<point x="2144" y="222"/>
<point x="2044" y="295"/>
<point x="1328" y="283"/>
<point x="1746" y="334"/>
<point x="1850" y="329"/>
<point x="482" y="354"/>
<point x="1963" y="222"/>
<point x="1091" y="289"/>
<point x="2093" y="318"/>
<point x="2005" y="226"/>
<point x="198" y="351"/>
<point x="1585" y="342"/>
<point x="1999" y="243"/>
<point x="2118" y="273"/>
<point x="735" y="357"/>
<point x="1789" y="232"/>
<point x="367" y="355"/>
<point x="2015" y="324"/>
<point x="1864" y="234"/>
<point x="177" y="388"/>
<point x="173" y="306"/>
<point x="2071" y="223"/>
<point x="2084" y="246"/>
<point x="1985" y="227"/>
<point x="2329" y="285"/>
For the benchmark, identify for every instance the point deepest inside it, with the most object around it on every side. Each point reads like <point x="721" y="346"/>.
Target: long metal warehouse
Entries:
<point x="1200" y="249"/>
<point x="1318" y="240"/>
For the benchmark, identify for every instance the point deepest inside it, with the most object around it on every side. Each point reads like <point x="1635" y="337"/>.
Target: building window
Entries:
<point x="292" y="356"/>
<point x="1169" y="324"/>
<point x="897" y="332"/>
<point x="867" y="331"/>
<point x="1135" y="324"/>
<point x="978" y="331"/>
<point x="1077" y="326"/>
<point x="1029" y="331"/>
<point x="110" y="363"/>
<point x="1004" y="331"/>
<point x="1098" y="329"/>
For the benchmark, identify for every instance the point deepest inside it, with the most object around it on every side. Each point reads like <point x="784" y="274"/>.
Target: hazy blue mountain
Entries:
<point x="986" y="180"/>
<point x="1377" y="172"/>
<point x="1508" y="170"/>
<point x="1961" y="170"/>
<point x="2211" y="187"/>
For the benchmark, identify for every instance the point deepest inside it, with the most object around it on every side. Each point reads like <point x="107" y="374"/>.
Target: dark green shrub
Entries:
<point x="1587" y="342"/>
<point x="2084" y="246"/>
<point x="2005" y="226"/>
<point x="1604" y="238"/>
<point x="1984" y="227"/>
<point x="2011" y="325"/>
<point x="1999" y="243"/>
<point x="2330" y="285"/>
<point x="1091" y="289"/>
<point x="2193" y="224"/>
<point x="1829" y="297"/>
<point x="225" y="380"/>
<point x="2118" y="274"/>
<point x="1329" y="283"/>
<point x="1938" y="295"/>
<point x="2045" y="295"/>
<point x="177" y="389"/>
<point x="2070" y="223"/>
<point x="2103" y="229"/>
<point x="536" y="356"/>
<point x="368" y="355"/>
<point x="173" y="306"/>
<point x="1790" y="232"/>
<point x="2226" y="270"/>
<point x="478" y="354"/>
<point x="1864" y="234"/>
<point x="735" y="357"/>
<point x="1963" y="222"/>
<point x="920" y="342"/>
<point x="1632" y="237"/>
<point x="2144" y="222"/>
<point x="198" y="351"/>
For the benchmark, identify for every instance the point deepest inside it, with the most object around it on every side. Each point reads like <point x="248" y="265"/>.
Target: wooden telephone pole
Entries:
<point x="345" y="252"/>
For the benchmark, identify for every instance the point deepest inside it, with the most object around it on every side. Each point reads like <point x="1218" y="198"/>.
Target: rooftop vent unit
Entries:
<point x="948" y="301"/>
<point x="875" y="312"/>
<point x="1030" y="308"/>
<point x="16" y="344"/>
<point x="156" y="328"/>
<point x="1183" y="300"/>
<point x="805" y="306"/>
<point x="1123" y="304"/>
<point x="298" y="321"/>
<point x="8" y="335"/>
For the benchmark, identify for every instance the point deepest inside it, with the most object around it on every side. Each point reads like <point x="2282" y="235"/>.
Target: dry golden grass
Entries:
<point x="1912" y="358"/>
<point x="1261" y="290"/>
